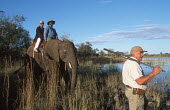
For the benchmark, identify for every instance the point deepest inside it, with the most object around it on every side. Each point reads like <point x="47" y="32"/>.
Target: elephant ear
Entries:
<point x="70" y="42"/>
<point x="52" y="49"/>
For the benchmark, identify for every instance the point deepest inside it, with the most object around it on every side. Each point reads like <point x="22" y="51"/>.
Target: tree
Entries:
<point x="14" y="39"/>
<point x="85" y="50"/>
<point x="101" y="53"/>
<point x="94" y="52"/>
<point x="64" y="36"/>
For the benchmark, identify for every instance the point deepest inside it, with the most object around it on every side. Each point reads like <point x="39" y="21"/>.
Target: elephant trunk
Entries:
<point x="74" y="75"/>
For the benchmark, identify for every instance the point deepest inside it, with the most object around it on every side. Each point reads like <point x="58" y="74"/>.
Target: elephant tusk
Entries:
<point x="70" y="65"/>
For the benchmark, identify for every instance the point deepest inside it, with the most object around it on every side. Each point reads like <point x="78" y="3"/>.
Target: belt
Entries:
<point x="129" y="87"/>
<point x="136" y="90"/>
<point x="52" y="37"/>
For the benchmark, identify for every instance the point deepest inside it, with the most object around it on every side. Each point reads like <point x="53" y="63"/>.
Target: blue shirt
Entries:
<point x="50" y="32"/>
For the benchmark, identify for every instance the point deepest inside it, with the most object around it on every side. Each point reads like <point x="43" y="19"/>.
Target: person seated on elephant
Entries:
<point x="39" y="35"/>
<point x="50" y="32"/>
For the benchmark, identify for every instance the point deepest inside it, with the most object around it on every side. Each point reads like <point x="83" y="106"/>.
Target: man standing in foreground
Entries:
<point x="134" y="79"/>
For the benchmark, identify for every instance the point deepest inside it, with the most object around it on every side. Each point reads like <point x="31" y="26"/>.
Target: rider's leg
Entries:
<point x="37" y="44"/>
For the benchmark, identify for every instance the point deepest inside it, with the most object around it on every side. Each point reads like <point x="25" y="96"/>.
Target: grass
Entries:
<point x="97" y="89"/>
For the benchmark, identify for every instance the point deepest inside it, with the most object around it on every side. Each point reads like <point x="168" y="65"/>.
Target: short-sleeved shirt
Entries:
<point x="132" y="71"/>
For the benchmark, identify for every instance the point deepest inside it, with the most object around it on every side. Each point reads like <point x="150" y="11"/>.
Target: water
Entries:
<point x="163" y="78"/>
<point x="163" y="62"/>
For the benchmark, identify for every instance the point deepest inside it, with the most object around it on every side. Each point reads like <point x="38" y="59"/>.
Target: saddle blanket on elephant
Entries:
<point x="42" y="43"/>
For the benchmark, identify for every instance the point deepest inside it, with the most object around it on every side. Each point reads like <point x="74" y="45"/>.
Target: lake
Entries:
<point x="162" y="79"/>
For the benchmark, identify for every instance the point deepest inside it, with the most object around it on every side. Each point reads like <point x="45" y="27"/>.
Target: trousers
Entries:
<point x="136" y="102"/>
<point x="37" y="43"/>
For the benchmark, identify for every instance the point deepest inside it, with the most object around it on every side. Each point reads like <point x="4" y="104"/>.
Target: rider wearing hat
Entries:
<point x="134" y="79"/>
<point x="50" y="32"/>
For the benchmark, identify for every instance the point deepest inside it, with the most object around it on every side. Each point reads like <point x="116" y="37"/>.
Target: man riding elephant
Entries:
<point x="39" y="37"/>
<point x="50" y="32"/>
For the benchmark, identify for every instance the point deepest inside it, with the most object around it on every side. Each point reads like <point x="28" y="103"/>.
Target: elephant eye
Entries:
<point x="65" y="52"/>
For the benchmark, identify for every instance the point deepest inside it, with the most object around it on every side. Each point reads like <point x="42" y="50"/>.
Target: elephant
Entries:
<point x="62" y="54"/>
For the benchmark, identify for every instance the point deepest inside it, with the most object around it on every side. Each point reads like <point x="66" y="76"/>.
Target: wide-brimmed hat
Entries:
<point x="137" y="49"/>
<point x="51" y="21"/>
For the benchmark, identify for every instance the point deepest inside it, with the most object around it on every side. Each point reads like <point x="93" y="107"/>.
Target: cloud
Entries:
<point x="141" y="32"/>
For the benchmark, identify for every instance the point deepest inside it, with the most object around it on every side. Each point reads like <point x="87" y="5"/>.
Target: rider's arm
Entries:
<point x="46" y="30"/>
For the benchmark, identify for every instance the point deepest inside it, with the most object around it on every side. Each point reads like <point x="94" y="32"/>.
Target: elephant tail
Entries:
<point x="17" y="71"/>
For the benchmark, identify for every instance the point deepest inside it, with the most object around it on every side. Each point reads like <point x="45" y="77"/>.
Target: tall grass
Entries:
<point x="42" y="97"/>
<point x="97" y="89"/>
<point x="6" y="84"/>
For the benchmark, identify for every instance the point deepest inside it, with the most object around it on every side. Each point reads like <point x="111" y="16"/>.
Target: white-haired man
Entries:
<point x="134" y="79"/>
<point x="39" y="35"/>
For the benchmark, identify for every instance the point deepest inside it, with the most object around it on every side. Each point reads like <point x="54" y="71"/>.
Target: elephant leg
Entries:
<point x="65" y="75"/>
<point x="38" y="75"/>
<point x="33" y="70"/>
<point x="28" y="64"/>
<point x="67" y="80"/>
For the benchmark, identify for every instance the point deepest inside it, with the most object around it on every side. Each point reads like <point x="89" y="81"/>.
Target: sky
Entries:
<point x="111" y="24"/>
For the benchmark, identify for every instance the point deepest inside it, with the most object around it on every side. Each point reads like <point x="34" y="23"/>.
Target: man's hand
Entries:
<point x="144" y="79"/>
<point x="156" y="70"/>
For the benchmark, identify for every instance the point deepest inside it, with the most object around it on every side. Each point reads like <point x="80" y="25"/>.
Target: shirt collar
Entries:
<point x="134" y="58"/>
